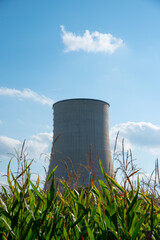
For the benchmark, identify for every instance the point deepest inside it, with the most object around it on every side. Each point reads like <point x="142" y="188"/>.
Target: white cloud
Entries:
<point x="91" y="42"/>
<point x="138" y="135"/>
<point x="35" y="146"/>
<point x="39" y="144"/>
<point x="1" y="122"/>
<point x="25" y="94"/>
<point x="7" y="145"/>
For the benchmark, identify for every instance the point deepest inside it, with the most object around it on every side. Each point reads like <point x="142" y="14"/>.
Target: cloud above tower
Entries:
<point x="91" y="42"/>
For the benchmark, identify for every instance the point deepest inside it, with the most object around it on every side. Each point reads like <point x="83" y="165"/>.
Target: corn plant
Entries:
<point x="107" y="211"/>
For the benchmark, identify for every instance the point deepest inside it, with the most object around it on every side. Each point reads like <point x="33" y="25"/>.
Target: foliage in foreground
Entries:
<point x="105" y="212"/>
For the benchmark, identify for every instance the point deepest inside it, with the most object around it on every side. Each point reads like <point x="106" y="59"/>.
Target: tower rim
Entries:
<point x="80" y="99"/>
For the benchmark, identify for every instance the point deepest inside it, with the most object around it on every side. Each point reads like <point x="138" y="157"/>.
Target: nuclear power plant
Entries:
<point x="81" y="136"/>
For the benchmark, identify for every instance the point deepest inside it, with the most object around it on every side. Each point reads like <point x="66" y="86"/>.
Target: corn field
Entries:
<point x="102" y="211"/>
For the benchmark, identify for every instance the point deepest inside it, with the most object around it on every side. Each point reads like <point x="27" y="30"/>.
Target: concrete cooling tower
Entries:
<point x="83" y="129"/>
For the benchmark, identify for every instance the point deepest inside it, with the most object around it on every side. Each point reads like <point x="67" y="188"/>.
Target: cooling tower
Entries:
<point x="83" y="129"/>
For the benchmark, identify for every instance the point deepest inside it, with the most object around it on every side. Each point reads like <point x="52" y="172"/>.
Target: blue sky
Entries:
<point x="53" y="50"/>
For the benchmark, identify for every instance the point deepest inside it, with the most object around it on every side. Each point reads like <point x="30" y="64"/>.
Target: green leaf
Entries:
<point x="51" y="173"/>
<point x="105" y="190"/>
<point x="5" y="192"/>
<point x="7" y="225"/>
<point x="50" y="194"/>
<point x="3" y="205"/>
<point x="29" y="209"/>
<point x="115" y="183"/>
<point x="78" y="220"/>
<point x="90" y="233"/>
<point x="15" y="189"/>
<point x="145" y="197"/>
<point x="31" y="195"/>
<point x="34" y="188"/>
<point x="151" y="216"/>
<point x="93" y="213"/>
<point x="65" y="233"/>
<point x="134" y="199"/>
<point x="9" y="179"/>
<point x="103" y="172"/>
<point x="69" y="190"/>
<point x="135" y="233"/>
<point x="24" y="170"/>
<point x="106" y="176"/>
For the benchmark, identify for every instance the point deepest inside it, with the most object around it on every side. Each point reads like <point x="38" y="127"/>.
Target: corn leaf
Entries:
<point x="134" y="199"/>
<point x="34" y="188"/>
<point x="51" y="173"/>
